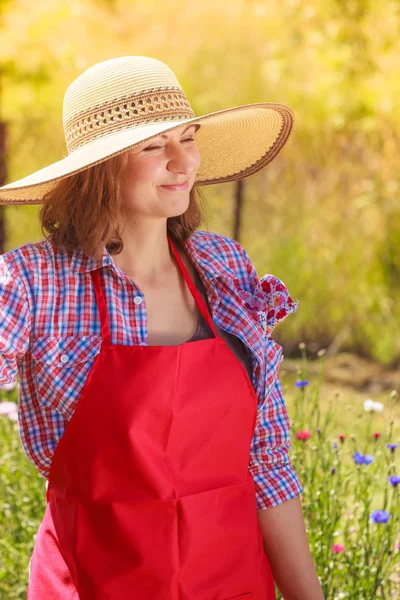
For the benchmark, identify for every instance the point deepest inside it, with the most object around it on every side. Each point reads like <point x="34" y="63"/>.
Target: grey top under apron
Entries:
<point x="203" y="331"/>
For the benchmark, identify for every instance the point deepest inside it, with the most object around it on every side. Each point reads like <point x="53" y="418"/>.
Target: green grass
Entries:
<point x="22" y="504"/>
<point x="336" y="506"/>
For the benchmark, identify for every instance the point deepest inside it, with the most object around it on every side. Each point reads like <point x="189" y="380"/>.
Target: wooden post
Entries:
<point x="237" y="224"/>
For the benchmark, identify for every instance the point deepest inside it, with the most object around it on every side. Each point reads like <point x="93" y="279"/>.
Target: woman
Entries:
<point x="150" y="397"/>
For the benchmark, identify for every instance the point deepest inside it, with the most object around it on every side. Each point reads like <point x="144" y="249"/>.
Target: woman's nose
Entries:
<point x="180" y="160"/>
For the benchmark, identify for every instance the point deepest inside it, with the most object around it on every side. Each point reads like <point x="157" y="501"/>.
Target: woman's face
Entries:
<point x="171" y="158"/>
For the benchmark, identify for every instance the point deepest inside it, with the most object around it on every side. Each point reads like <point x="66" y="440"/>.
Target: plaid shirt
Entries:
<point x="50" y="335"/>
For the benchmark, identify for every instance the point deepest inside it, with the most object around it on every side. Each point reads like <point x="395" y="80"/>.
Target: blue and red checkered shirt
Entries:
<point x="50" y="335"/>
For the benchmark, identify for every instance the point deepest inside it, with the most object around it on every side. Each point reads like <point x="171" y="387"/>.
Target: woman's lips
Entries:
<point x="182" y="186"/>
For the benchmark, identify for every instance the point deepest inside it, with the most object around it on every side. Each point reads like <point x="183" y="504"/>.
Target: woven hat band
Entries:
<point x="160" y="104"/>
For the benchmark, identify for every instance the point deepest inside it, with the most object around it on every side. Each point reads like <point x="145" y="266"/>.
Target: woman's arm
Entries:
<point x="286" y="546"/>
<point x="277" y="485"/>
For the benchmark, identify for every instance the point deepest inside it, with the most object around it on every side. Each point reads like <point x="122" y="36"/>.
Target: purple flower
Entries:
<point x="360" y="459"/>
<point x="334" y="445"/>
<point x="333" y="470"/>
<point x="392" y="447"/>
<point x="301" y="383"/>
<point x="379" y="516"/>
<point x="394" y="480"/>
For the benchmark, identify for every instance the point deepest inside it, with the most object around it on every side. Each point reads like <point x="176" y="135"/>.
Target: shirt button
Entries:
<point x="138" y="300"/>
<point x="64" y="358"/>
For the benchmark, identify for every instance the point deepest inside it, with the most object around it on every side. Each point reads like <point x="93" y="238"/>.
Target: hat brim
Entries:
<point x="233" y="143"/>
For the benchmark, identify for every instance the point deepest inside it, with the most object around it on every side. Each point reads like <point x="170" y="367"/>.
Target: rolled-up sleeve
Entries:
<point x="273" y="472"/>
<point x="15" y="322"/>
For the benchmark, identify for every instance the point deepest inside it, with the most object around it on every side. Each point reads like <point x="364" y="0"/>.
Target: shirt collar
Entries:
<point x="197" y="247"/>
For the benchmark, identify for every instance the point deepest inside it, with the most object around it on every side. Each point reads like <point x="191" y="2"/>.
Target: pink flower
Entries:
<point x="376" y="435"/>
<point x="8" y="387"/>
<point x="342" y="437"/>
<point x="337" y="548"/>
<point x="303" y="435"/>
<point x="7" y="407"/>
<point x="10" y="410"/>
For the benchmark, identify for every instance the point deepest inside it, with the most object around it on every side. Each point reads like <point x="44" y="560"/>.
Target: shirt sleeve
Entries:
<point x="15" y="322"/>
<point x="275" y="478"/>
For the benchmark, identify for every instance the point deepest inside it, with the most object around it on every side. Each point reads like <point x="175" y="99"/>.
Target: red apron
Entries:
<point x="149" y="496"/>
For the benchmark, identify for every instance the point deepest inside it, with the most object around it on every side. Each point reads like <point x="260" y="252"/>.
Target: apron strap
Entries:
<point x="102" y="307"/>
<point x="201" y="305"/>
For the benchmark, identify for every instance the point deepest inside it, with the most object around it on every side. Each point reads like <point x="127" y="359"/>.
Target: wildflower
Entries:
<point x="337" y="548"/>
<point x="8" y="387"/>
<point x="303" y="435"/>
<point x="301" y="383"/>
<point x="333" y="470"/>
<point x="392" y="447"/>
<point x="376" y="435"/>
<point x="321" y="352"/>
<point x="360" y="459"/>
<point x="334" y="445"/>
<point x="371" y="406"/>
<point x="397" y="546"/>
<point x="318" y="432"/>
<point x="7" y="407"/>
<point x="302" y="346"/>
<point x="10" y="410"/>
<point x="341" y="437"/>
<point x="394" y="480"/>
<point x="379" y="516"/>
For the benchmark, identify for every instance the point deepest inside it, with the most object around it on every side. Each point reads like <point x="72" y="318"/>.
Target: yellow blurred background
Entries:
<point x="324" y="216"/>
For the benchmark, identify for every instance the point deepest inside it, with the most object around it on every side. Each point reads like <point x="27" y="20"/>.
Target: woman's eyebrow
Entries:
<point x="165" y="136"/>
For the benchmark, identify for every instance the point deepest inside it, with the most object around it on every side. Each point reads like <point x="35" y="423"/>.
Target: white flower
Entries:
<point x="371" y="406"/>
<point x="10" y="410"/>
<point x="7" y="407"/>
<point x="8" y="387"/>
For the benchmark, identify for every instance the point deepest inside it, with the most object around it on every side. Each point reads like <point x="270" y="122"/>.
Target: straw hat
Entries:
<point x="119" y="103"/>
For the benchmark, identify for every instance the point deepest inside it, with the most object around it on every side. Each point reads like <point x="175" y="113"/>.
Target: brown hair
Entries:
<point x="81" y="211"/>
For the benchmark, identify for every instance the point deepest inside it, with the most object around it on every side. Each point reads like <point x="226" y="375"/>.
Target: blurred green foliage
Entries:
<point x="324" y="216"/>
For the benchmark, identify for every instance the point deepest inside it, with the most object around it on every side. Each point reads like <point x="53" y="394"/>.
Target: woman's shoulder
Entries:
<point x="267" y="296"/>
<point x="221" y="246"/>
<point x="32" y="257"/>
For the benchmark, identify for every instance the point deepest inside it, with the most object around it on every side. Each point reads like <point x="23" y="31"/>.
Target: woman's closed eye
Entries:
<point x="155" y="147"/>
